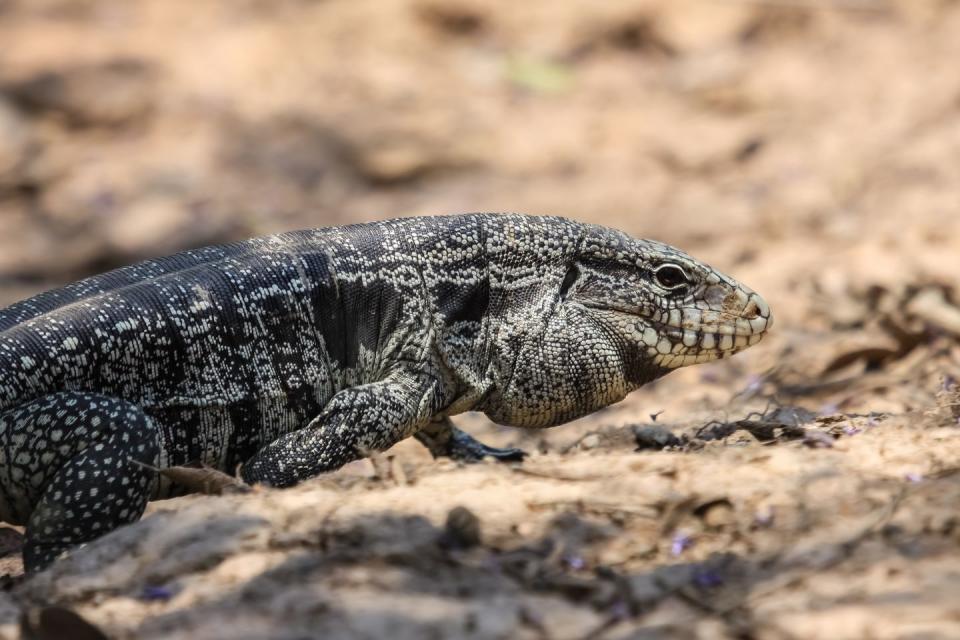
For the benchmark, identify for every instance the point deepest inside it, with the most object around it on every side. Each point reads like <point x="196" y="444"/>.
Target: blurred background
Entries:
<point x="785" y="140"/>
<point x="810" y="148"/>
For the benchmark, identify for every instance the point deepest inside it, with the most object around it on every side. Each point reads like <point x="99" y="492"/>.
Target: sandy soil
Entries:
<point x="810" y="148"/>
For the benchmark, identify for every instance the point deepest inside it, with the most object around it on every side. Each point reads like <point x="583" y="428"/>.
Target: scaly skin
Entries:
<point x="294" y="354"/>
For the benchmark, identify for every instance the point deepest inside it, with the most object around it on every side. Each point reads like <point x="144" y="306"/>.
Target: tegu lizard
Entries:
<point x="293" y="354"/>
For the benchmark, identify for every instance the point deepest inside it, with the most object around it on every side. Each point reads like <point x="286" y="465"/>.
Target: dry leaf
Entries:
<point x="205" y="480"/>
<point x="931" y="305"/>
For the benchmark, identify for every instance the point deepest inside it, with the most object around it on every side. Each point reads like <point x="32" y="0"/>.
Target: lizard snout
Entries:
<point x="757" y="315"/>
<point x="727" y="319"/>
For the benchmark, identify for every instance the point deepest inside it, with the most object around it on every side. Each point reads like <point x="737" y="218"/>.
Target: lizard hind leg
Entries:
<point x="71" y="470"/>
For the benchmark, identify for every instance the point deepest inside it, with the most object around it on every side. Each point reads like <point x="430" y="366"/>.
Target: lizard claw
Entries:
<point x="465" y="448"/>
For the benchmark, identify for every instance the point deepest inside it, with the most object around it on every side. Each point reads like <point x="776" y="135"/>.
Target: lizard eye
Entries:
<point x="573" y="272"/>
<point x="671" y="277"/>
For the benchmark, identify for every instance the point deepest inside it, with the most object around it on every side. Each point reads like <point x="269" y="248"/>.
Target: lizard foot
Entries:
<point x="445" y="440"/>
<point x="465" y="448"/>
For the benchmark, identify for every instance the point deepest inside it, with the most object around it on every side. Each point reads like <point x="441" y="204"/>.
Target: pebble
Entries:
<point x="654" y="437"/>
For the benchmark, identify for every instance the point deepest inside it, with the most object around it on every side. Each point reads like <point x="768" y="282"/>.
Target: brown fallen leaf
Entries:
<point x="872" y="346"/>
<point x="762" y="430"/>
<point x="931" y="305"/>
<point x="206" y="480"/>
<point x="203" y="479"/>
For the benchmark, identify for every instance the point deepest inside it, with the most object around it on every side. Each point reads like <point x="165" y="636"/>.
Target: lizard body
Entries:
<point x="294" y="354"/>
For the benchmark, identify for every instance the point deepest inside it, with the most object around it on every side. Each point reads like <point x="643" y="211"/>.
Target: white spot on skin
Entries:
<point x="71" y="343"/>
<point x="124" y="325"/>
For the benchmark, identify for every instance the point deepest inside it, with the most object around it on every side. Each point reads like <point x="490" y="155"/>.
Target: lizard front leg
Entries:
<point x="444" y="439"/>
<point x="356" y="421"/>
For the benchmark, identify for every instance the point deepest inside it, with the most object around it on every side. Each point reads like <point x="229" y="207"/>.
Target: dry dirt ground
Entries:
<point x="810" y="148"/>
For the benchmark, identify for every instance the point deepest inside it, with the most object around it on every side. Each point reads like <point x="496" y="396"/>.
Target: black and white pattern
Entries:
<point x="293" y="354"/>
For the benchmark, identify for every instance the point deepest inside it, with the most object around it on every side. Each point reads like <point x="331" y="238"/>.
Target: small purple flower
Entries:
<point x="851" y="430"/>
<point x="574" y="562"/>
<point x="872" y="422"/>
<point x="707" y="578"/>
<point x="153" y="594"/>
<point x="764" y="518"/>
<point x="680" y="543"/>
<point x="949" y="382"/>
<point x="913" y="477"/>
<point x="619" y="610"/>
<point x="709" y="375"/>
<point x="754" y="384"/>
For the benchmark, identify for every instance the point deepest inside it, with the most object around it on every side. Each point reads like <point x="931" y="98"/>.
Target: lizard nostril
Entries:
<point x="752" y="310"/>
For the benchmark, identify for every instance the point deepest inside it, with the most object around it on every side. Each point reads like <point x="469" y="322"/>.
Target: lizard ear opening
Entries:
<point x="570" y="279"/>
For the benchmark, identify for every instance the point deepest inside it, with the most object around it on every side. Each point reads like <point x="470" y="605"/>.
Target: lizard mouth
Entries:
<point x="693" y="336"/>
<point x="674" y="347"/>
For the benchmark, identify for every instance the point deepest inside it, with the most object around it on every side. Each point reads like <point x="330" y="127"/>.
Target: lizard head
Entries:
<point x="663" y="306"/>
<point x="615" y="313"/>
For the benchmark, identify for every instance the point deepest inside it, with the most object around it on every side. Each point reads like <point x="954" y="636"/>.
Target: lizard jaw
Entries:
<point x="689" y="336"/>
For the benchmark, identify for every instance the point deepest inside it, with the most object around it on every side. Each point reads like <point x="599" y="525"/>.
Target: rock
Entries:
<point x="590" y="441"/>
<point x="462" y="529"/>
<point x="654" y="437"/>
<point x="719" y="515"/>
<point x="674" y="577"/>
<point x="644" y="591"/>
